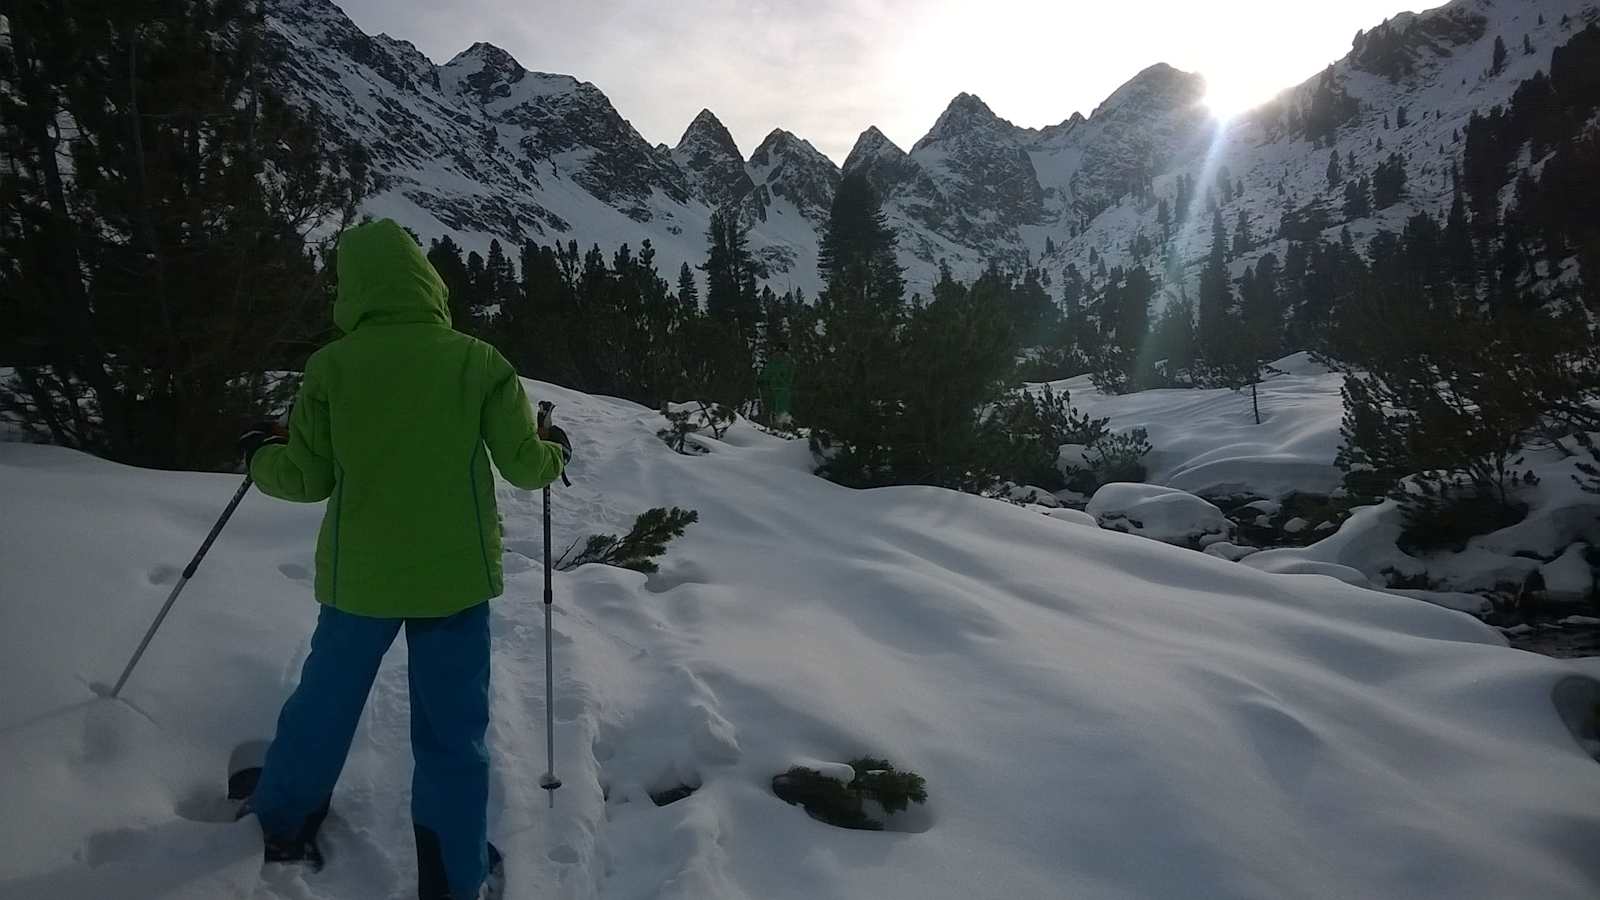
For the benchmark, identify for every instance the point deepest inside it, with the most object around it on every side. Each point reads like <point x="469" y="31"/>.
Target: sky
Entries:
<point x="827" y="69"/>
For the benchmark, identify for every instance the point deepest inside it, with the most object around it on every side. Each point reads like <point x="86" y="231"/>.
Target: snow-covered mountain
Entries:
<point x="481" y="147"/>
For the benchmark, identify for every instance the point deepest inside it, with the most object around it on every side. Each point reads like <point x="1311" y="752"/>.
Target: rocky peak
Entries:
<point x="711" y="162"/>
<point x="484" y="70"/>
<point x="966" y="116"/>
<point x="790" y="168"/>
<point x="1157" y="90"/>
<point x="872" y="146"/>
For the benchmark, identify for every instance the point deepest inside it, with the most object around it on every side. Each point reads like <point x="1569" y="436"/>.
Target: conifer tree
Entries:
<point x="1499" y="63"/>
<point x="1242" y="242"/>
<point x="156" y="202"/>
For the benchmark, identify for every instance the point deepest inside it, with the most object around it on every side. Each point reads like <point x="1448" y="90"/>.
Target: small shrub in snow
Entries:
<point x="715" y="417"/>
<point x="1120" y="457"/>
<point x="1447" y="518"/>
<point x="638" y="548"/>
<point x="830" y="800"/>
<point x="1031" y="427"/>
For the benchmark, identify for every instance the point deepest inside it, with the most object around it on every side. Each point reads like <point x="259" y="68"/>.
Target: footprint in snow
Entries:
<point x="295" y="572"/>
<point x="564" y="854"/>
<point x="164" y="575"/>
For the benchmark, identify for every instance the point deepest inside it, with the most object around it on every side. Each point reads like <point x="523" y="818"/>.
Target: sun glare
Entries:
<point x="1226" y="99"/>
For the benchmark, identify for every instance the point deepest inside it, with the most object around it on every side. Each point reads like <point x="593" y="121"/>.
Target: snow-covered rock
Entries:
<point x="1075" y="516"/>
<point x="1296" y="525"/>
<point x="1230" y="551"/>
<point x="1569" y="577"/>
<point x="1029" y="494"/>
<point x="1289" y="566"/>
<point x="1153" y="511"/>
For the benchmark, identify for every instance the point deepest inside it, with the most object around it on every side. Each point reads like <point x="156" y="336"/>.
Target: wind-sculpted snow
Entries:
<point x="1097" y="715"/>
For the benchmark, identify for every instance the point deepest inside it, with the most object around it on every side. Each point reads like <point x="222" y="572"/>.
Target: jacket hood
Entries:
<point x="384" y="279"/>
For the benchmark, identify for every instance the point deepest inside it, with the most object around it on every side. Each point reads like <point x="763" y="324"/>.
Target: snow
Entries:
<point x="1156" y="512"/>
<point x="1561" y="516"/>
<point x="1229" y="551"/>
<point x="1096" y="715"/>
<point x="1207" y="441"/>
<point x="1569" y="577"/>
<point x="1075" y="516"/>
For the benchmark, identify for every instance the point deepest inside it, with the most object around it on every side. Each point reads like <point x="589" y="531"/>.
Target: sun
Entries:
<point x="1227" y="97"/>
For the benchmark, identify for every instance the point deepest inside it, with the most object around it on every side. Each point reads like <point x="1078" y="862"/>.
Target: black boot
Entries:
<point x="431" y="881"/>
<point x="300" y="848"/>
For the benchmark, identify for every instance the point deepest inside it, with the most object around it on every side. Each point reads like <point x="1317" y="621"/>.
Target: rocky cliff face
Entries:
<point x="482" y="147"/>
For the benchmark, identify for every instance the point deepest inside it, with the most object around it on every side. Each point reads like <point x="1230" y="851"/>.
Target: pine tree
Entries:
<point x="1400" y="118"/>
<point x="1499" y="63"/>
<point x="688" y="294"/>
<point x="1389" y="182"/>
<point x="1242" y="243"/>
<point x="1335" y="176"/>
<point x="850" y="361"/>
<point x="156" y="202"/>
<point x="1357" y="204"/>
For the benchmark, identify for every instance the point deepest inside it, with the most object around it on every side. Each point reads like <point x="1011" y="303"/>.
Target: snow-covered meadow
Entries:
<point x="1097" y="715"/>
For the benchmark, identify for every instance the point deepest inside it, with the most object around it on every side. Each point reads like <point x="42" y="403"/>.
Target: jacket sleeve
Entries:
<point x="510" y="432"/>
<point x="302" y="469"/>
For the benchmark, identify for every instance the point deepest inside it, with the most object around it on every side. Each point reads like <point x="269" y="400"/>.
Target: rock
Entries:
<point x="1229" y="551"/>
<point x="1570" y="578"/>
<point x="1290" y="566"/>
<point x="1265" y="507"/>
<point x="1075" y="516"/>
<point x="1162" y="513"/>
<point x="1029" y="494"/>
<point x="1295" y="525"/>
<point x="1580" y="620"/>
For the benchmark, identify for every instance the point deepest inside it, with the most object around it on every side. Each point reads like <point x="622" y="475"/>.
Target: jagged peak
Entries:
<point x="488" y="56"/>
<point x="1157" y="81"/>
<point x="872" y="144"/>
<point x="966" y="113"/>
<point x="707" y="128"/>
<point x="787" y="142"/>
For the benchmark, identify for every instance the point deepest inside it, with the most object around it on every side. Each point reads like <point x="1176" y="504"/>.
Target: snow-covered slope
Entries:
<point x="1206" y="441"/>
<point x="1435" y="65"/>
<point x="480" y="147"/>
<point x="1097" y="715"/>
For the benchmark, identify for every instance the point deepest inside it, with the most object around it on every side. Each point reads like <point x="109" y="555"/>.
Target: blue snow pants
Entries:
<point x="448" y="660"/>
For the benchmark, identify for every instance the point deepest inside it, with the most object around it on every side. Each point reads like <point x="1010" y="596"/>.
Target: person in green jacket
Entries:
<point x="394" y="426"/>
<point x="776" y="383"/>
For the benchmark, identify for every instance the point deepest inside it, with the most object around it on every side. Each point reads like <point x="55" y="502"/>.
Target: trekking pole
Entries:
<point x="188" y="572"/>
<point x="548" y="780"/>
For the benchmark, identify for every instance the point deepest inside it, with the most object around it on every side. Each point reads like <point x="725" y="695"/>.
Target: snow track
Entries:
<point x="1097" y="715"/>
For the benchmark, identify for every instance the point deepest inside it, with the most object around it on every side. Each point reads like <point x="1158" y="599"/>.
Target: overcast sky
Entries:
<point x="826" y="69"/>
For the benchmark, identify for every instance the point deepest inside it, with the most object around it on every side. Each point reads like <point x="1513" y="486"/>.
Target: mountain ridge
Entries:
<point x="482" y="147"/>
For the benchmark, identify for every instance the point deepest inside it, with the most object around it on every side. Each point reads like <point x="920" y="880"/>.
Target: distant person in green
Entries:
<point x="394" y="426"/>
<point x="776" y="383"/>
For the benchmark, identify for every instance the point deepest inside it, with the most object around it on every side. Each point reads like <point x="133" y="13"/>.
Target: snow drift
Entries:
<point x="1097" y="715"/>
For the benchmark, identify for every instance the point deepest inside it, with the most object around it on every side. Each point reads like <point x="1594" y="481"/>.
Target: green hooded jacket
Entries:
<point x="391" y="426"/>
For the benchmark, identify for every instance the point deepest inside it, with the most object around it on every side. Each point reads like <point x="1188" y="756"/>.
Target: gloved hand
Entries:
<point x="555" y="435"/>
<point x="259" y="435"/>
